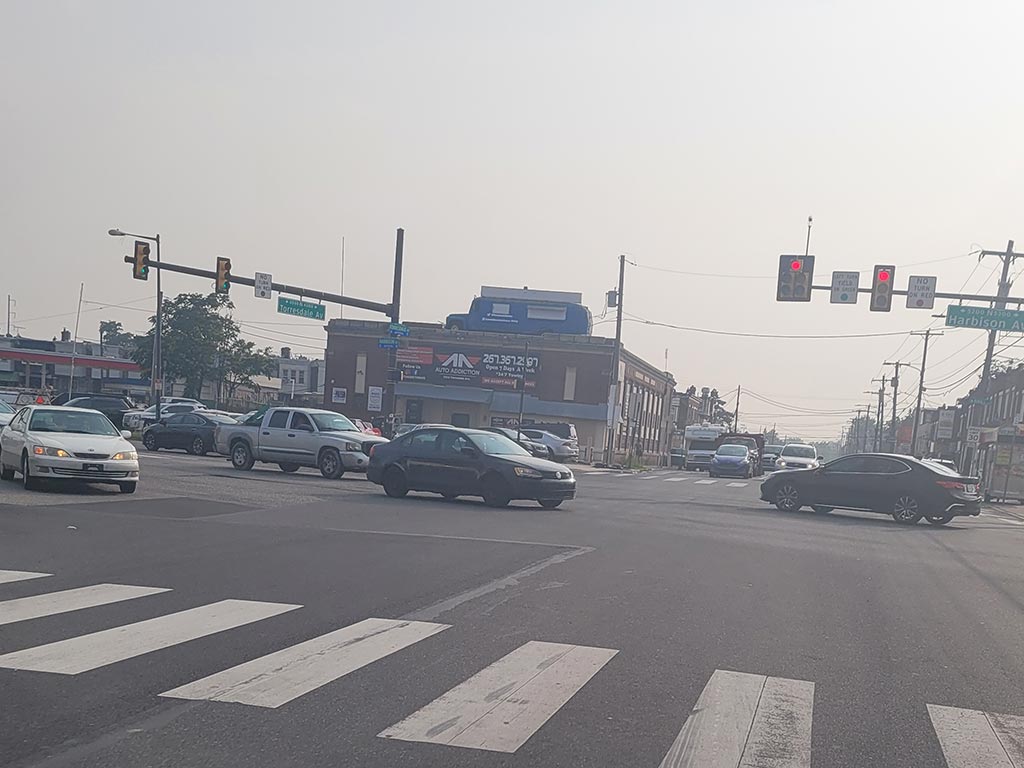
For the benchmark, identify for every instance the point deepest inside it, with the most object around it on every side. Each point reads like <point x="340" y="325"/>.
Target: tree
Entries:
<point x="113" y="334"/>
<point x="241" y="362"/>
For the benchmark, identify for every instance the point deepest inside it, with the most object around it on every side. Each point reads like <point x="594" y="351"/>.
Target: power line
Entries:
<point x="636" y="319"/>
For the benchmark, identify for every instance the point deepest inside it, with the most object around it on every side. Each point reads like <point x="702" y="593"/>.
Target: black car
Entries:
<point x="901" y="486"/>
<point x="192" y="432"/>
<point x="468" y="462"/>
<point x="114" y="407"/>
<point x="532" y="446"/>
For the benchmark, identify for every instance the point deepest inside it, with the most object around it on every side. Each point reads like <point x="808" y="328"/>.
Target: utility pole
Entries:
<point x="736" y="413"/>
<point x="613" y="379"/>
<point x="863" y="446"/>
<point x="857" y="429"/>
<point x="391" y="414"/>
<point x="879" y="445"/>
<point x="1008" y="258"/>
<point x="920" y="386"/>
<point x="522" y="391"/>
<point x="8" y="314"/>
<point x="894" y="382"/>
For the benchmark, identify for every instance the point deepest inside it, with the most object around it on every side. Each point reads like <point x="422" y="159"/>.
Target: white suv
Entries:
<point x="797" y="456"/>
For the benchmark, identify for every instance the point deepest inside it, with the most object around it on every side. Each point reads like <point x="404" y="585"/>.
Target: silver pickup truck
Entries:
<point x="297" y="437"/>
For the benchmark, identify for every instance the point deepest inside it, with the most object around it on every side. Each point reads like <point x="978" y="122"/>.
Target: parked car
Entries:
<point x="114" y="407"/>
<point x="192" y="432"/>
<point x="563" y="429"/>
<point x="901" y="486"/>
<point x="797" y="456"/>
<point x="366" y="427"/>
<point x="141" y="419"/>
<point x="733" y="461"/>
<point x="468" y="462"/>
<point x="771" y="456"/>
<point x="403" y="429"/>
<point x="45" y="442"/>
<point x="532" y="446"/>
<point x="298" y="437"/>
<point x="677" y="458"/>
<point x="559" y="448"/>
<point x="6" y="414"/>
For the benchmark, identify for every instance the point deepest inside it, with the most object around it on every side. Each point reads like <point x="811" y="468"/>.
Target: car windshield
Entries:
<point x="5" y="408"/>
<point x="220" y="418"/>
<point x="799" y="451"/>
<point x="773" y="449"/>
<point x="732" y="450"/>
<point x="71" y="422"/>
<point x="333" y="422"/>
<point x="497" y="445"/>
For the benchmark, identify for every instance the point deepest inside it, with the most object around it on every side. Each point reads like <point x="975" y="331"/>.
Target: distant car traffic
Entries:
<point x="6" y="413"/>
<point x="298" y="437"/>
<point x="45" y="442"/>
<point x="559" y="448"/>
<point x="192" y="432"/>
<point x="142" y="419"/>
<point x="733" y="461"/>
<point x="403" y="429"/>
<point x="797" y="456"/>
<point x="901" y="486"/>
<point x="468" y="462"/>
<point x="771" y="457"/>
<point x="114" y="407"/>
<point x="564" y="429"/>
<point x="533" y="447"/>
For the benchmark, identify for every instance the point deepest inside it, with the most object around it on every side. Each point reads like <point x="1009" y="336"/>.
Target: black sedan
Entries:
<point x="532" y="446"/>
<point x="114" y="407"/>
<point x="901" y="486"/>
<point x="192" y="432"/>
<point x="468" y="462"/>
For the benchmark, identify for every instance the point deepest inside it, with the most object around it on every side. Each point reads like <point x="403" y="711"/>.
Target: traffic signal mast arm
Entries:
<point x="938" y="295"/>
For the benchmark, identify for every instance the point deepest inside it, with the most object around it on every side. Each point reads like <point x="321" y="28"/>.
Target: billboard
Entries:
<point x="485" y="368"/>
<point x="944" y="430"/>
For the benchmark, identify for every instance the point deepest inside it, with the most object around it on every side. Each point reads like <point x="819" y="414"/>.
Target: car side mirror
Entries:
<point x="467" y="451"/>
<point x="126" y="434"/>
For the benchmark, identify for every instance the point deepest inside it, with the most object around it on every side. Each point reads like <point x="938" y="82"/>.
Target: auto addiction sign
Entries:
<point x="488" y="369"/>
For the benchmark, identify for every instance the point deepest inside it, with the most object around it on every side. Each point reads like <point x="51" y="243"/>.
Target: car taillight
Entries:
<point x="952" y="485"/>
<point x="372" y="449"/>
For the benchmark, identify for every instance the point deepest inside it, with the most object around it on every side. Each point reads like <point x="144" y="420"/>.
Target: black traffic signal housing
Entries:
<point x="140" y="261"/>
<point x="883" y="277"/>
<point x="796" y="273"/>
<point x="223" y="274"/>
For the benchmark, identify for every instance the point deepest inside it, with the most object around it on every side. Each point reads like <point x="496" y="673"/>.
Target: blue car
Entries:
<point x="732" y="461"/>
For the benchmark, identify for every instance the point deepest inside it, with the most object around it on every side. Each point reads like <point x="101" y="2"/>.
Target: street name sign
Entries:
<point x="921" y="292"/>
<point x="298" y="308"/>
<point x="844" y="287"/>
<point x="264" y="281"/>
<point x="398" y="329"/>
<point x="986" y="319"/>
<point x="388" y="343"/>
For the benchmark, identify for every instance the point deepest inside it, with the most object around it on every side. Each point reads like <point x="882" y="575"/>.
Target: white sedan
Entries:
<point x="48" y="442"/>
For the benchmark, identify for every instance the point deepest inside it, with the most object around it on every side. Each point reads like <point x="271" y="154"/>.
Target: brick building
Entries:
<point x="474" y="379"/>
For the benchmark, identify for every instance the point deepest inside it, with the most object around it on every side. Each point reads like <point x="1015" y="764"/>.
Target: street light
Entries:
<point x="156" y="375"/>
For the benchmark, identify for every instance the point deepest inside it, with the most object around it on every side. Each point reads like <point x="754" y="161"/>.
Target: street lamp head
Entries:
<point x="115" y="233"/>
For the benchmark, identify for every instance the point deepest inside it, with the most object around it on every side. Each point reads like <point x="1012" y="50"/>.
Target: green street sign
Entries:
<point x="983" y="318"/>
<point x="298" y="308"/>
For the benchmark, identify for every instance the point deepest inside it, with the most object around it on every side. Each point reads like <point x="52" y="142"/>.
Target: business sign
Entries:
<point x="339" y="395"/>
<point x="844" y="287"/>
<point x="468" y="367"/>
<point x="921" y="292"/>
<point x="264" y="282"/>
<point x="398" y="329"/>
<point x="944" y="427"/>
<point x="298" y="308"/>
<point x="387" y="343"/>
<point x="984" y="318"/>
<point x="374" y="398"/>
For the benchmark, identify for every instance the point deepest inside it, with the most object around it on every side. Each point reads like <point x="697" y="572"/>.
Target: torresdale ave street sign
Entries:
<point x="986" y="319"/>
<point x="298" y="308"/>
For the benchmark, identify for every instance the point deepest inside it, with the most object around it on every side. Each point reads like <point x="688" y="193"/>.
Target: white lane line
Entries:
<point x="24" y="608"/>
<point x="279" y="677"/>
<point x="746" y="721"/>
<point x="736" y="485"/>
<point x="6" y="577"/>
<point x="972" y="739"/>
<point x="649" y="477"/>
<point x="98" y="649"/>
<point x="675" y="479"/>
<point x="502" y="706"/>
<point x="705" y="482"/>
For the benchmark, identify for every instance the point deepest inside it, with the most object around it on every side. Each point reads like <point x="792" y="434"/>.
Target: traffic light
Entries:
<point x="140" y="261"/>
<point x="795" y="276"/>
<point x="881" y="287"/>
<point x="223" y="274"/>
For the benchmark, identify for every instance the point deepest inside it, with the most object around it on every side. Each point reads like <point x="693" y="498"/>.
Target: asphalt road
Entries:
<point x="257" y="619"/>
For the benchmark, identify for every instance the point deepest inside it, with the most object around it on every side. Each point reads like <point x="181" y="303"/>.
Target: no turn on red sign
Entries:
<point x="921" y="292"/>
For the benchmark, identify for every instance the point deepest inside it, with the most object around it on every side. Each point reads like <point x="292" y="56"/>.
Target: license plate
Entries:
<point x="93" y="467"/>
<point x="972" y="489"/>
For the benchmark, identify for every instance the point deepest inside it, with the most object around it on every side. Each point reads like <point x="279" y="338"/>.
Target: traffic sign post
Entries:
<point x="263" y="287"/>
<point x="298" y="308"/>
<point x="844" y="287"/>
<point x="921" y="292"/>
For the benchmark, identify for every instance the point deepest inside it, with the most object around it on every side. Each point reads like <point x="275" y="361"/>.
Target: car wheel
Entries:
<point x="549" y="503"/>
<point x="149" y="440"/>
<point x="821" y="510"/>
<point x="127" y="487"/>
<point x="496" y="492"/>
<point x="906" y="510"/>
<point x="241" y="456"/>
<point x="787" y="498"/>
<point x="28" y="482"/>
<point x="330" y="465"/>
<point x="197" y="447"/>
<point x="551" y="454"/>
<point x="286" y="467"/>
<point x="395" y="485"/>
<point x="938" y="519"/>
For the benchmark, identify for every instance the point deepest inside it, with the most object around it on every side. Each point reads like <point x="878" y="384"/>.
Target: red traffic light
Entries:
<point x="883" y="275"/>
<point x="796" y="265"/>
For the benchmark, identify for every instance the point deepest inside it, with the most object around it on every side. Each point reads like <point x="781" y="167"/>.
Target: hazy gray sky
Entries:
<point x="519" y="144"/>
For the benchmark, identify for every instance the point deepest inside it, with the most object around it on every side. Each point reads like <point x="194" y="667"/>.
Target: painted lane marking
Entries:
<point x="37" y="606"/>
<point x="7" y="577"/>
<point x="705" y="482"/>
<point x="675" y="479"/>
<point x="973" y="739"/>
<point x="737" y="485"/>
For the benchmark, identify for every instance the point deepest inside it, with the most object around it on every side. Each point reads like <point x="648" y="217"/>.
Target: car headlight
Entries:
<point x="353" y="447"/>
<point x="40" y="450"/>
<point x="125" y="456"/>
<point x="526" y="472"/>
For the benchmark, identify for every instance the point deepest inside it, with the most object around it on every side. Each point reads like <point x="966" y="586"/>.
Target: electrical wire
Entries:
<point x="644" y="321"/>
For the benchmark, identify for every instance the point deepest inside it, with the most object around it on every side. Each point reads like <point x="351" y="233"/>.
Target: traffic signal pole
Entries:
<point x="920" y="385"/>
<point x="613" y="385"/>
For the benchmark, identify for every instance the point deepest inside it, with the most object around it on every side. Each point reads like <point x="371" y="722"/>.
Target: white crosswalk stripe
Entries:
<point x="972" y="739"/>
<point x="502" y="706"/>
<point x="746" y="721"/>
<point x="279" y="677"/>
<point x="737" y="485"/>
<point x="37" y="606"/>
<point x="675" y="479"/>
<point x="98" y="649"/>
<point x="706" y="482"/>
<point x="648" y="477"/>
<point x="6" y="577"/>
